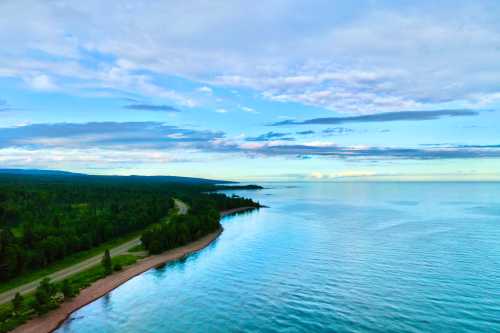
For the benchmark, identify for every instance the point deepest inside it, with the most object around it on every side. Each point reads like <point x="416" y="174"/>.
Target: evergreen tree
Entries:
<point x="17" y="302"/>
<point x="155" y="247"/>
<point x="67" y="289"/>
<point x="107" y="263"/>
<point x="43" y="296"/>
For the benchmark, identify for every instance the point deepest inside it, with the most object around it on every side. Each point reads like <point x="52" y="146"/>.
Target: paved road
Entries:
<point x="81" y="266"/>
<point x="182" y="207"/>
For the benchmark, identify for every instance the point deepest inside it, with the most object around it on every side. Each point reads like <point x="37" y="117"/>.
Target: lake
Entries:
<point x="328" y="257"/>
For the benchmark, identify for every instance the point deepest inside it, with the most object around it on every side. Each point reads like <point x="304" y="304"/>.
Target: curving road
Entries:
<point x="62" y="274"/>
<point x="182" y="207"/>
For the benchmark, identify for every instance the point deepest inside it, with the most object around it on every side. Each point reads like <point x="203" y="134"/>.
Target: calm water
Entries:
<point x="338" y="257"/>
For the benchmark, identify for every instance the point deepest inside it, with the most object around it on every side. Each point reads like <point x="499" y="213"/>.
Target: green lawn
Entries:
<point x="85" y="278"/>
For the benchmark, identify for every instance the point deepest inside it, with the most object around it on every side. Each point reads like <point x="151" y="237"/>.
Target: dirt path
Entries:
<point x="62" y="274"/>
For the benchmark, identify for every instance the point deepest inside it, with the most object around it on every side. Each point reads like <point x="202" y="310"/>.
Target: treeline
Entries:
<point x="219" y="201"/>
<point x="180" y="230"/>
<point x="42" y="223"/>
<point x="238" y="187"/>
<point x="44" y="219"/>
<point x="202" y="218"/>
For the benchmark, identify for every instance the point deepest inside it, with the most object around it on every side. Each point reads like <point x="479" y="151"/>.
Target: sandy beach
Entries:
<point x="50" y="321"/>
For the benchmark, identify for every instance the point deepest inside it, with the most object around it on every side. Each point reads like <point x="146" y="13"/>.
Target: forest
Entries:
<point x="202" y="219"/>
<point x="46" y="218"/>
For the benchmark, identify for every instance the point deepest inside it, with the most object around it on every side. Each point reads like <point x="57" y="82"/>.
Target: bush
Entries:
<point x="67" y="289"/>
<point x="43" y="297"/>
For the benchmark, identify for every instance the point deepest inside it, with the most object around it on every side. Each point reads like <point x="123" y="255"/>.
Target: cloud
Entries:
<point x="36" y="140"/>
<point x="337" y="130"/>
<point x="272" y="136"/>
<point x="206" y="90"/>
<point x="121" y="135"/>
<point x="63" y="158"/>
<point x="375" y="153"/>
<point x="305" y="132"/>
<point x="382" y="117"/>
<point x="221" y="110"/>
<point x="151" y="107"/>
<point x="41" y="82"/>
<point x="340" y="55"/>
<point x="248" y="109"/>
<point x="343" y="174"/>
<point x="4" y="106"/>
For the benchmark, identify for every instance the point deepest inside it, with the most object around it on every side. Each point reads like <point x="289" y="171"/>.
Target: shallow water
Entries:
<point x="328" y="257"/>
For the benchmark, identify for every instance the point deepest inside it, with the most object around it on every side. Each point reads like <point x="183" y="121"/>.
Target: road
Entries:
<point x="182" y="207"/>
<point x="62" y="274"/>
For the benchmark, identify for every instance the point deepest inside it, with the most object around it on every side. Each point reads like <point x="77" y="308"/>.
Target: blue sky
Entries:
<point x="276" y="90"/>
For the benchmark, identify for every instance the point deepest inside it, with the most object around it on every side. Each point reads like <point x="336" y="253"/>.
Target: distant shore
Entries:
<point x="237" y="210"/>
<point x="52" y="320"/>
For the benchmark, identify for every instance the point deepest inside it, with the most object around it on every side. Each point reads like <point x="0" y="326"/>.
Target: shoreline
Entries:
<point x="228" y="212"/>
<point x="52" y="320"/>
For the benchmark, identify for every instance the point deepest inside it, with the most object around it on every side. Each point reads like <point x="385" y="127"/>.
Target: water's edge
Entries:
<point x="391" y="257"/>
<point x="54" y="319"/>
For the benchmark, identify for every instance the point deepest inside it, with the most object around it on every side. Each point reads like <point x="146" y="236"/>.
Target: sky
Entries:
<point x="274" y="90"/>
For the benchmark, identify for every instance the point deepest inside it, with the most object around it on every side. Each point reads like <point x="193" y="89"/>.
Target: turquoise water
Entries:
<point x="329" y="257"/>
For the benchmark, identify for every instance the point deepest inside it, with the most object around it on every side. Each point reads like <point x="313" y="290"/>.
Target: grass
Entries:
<point x="78" y="281"/>
<point x="64" y="263"/>
<point x="137" y="248"/>
<point x="85" y="278"/>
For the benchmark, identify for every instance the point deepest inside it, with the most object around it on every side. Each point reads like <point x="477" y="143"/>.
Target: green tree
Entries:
<point x="67" y="289"/>
<point x="43" y="296"/>
<point x="155" y="247"/>
<point x="17" y="302"/>
<point x="107" y="262"/>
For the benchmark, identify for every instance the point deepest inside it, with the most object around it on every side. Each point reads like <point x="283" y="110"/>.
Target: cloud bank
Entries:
<point x="163" y="138"/>
<point x="151" y="107"/>
<point x="345" y="56"/>
<point x="382" y="117"/>
<point x="105" y="134"/>
<point x="272" y="136"/>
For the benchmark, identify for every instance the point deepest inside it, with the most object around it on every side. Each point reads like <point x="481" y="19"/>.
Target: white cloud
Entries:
<point x="248" y="109"/>
<point x="84" y="158"/>
<point x="220" y="110"/>
<point x="41" y="82"/>
<point x="342" y="174"/>
<point x="206" y="90"/>
<point x="361" y="57"/>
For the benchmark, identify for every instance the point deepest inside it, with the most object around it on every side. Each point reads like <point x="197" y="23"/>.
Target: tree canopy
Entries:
<point x="43" y="219"/>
